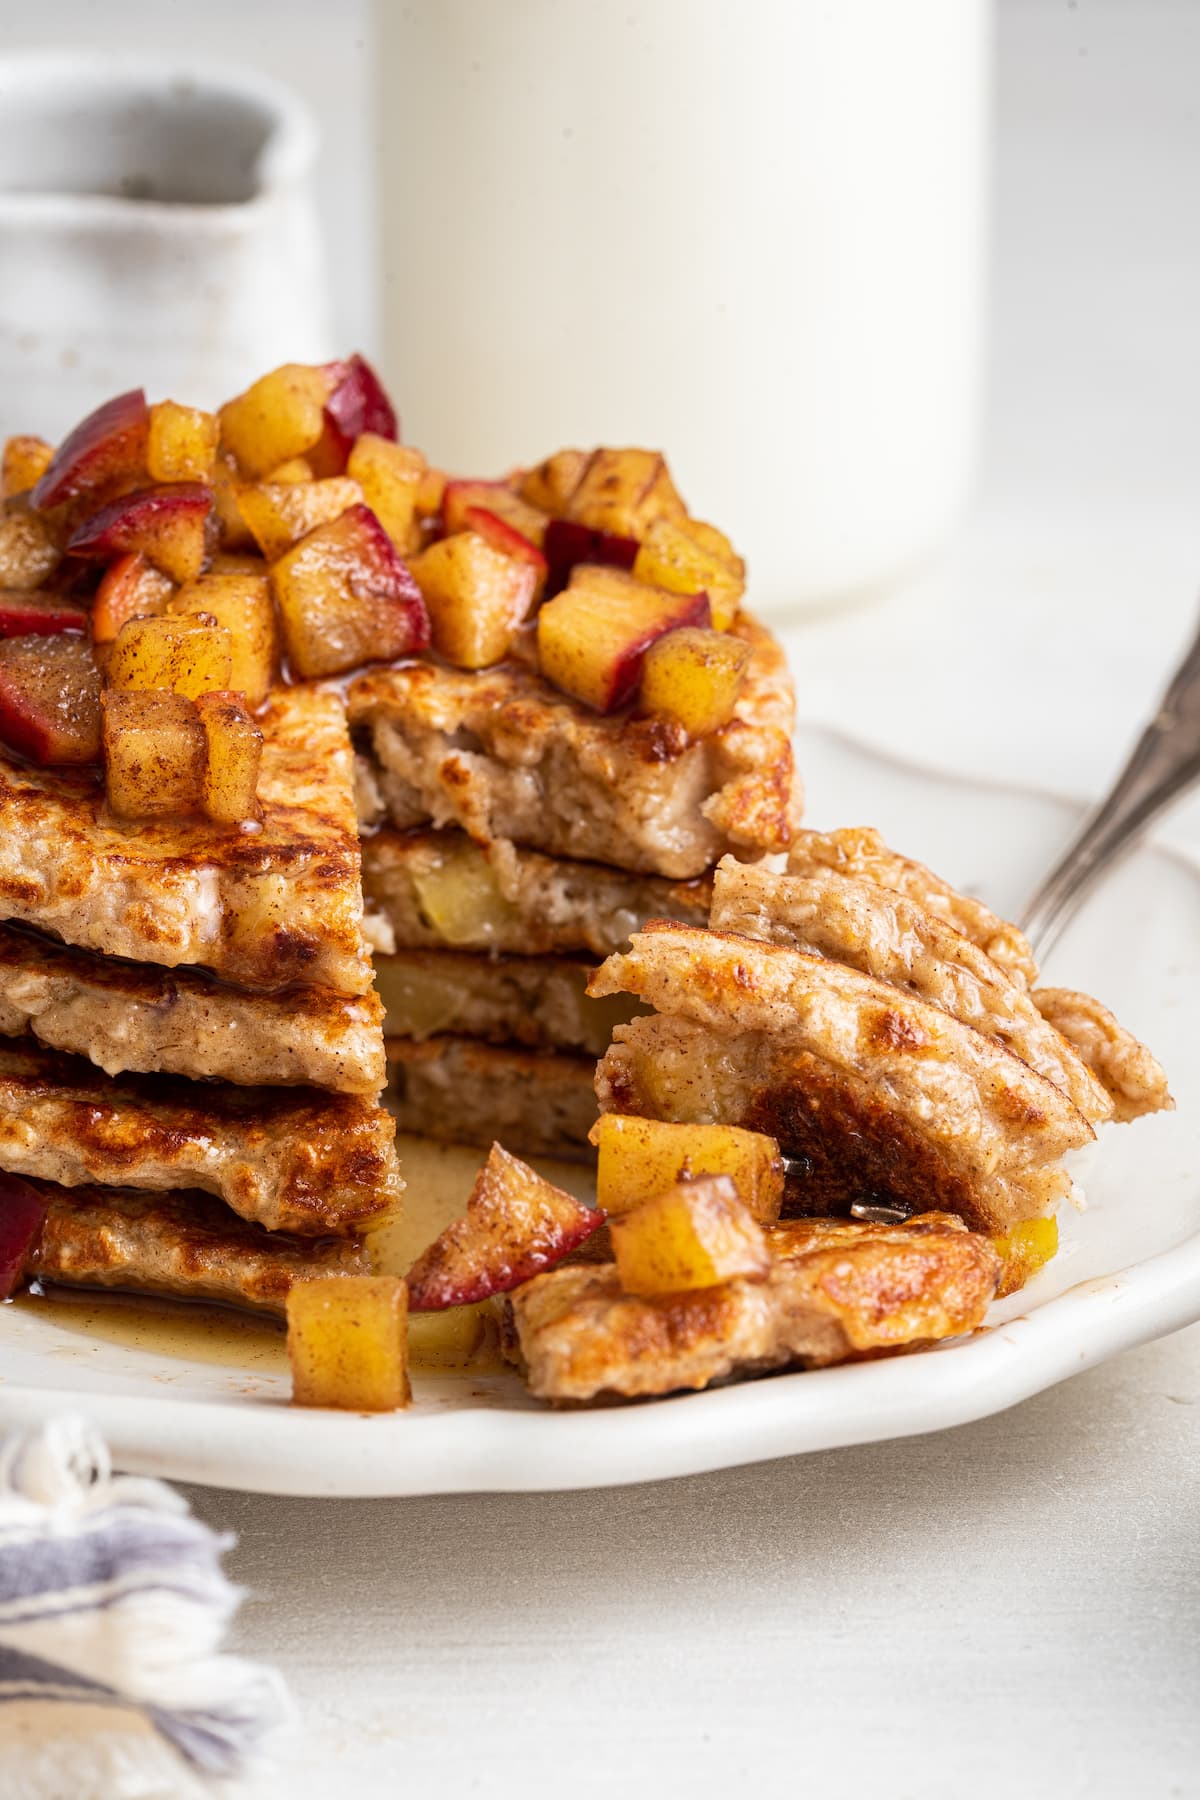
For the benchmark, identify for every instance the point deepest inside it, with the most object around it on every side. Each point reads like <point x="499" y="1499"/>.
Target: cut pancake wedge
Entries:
<point x="877" y="1095"/>
<point x="833" y="1291"/>
<point x="895" y="940"/>
<point x="134" y="1017"/>
<point x="186" y="1245"/>
<point x="264" y="907"/>
<point x="292" y="1159"/>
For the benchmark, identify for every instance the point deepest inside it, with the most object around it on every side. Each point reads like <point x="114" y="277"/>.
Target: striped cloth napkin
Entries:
<point x="112" y="1609"/>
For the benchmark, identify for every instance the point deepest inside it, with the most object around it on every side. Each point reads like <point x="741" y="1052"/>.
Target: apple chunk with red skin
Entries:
<point x="167" y="524"/>
<point x="50" y="698"/>
<point x="109" y="445"/>
<point x="22" y="1216"/>
<point x="567" y="544"/>
<point x="359" y="401"/>
<point x="516" y="1225"/>
<point x="593" y="638"/>
<point x="346" y="598"/>
<point x="22" y="613"/>
<point x="495" y="497"/>
<point x="131" y="588"/>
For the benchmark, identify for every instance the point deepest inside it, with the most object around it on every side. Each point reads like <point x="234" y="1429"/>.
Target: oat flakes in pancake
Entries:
<point x="186" y="1245"/>
<point x="834" y="1291"/>
<point x="264" y="908"/>
<point x="505" y="756"/>
<point x="877" y="1095"/>
<point x="292" y="1159"/>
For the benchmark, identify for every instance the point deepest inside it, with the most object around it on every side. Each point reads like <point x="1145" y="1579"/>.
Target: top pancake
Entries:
<point x="265" y="908"/>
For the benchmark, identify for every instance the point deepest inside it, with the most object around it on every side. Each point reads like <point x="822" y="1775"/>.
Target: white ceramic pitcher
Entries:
<point x="157" y="230"/>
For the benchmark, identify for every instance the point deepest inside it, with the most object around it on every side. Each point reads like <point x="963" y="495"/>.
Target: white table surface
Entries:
<point x="1010" y="1607"/>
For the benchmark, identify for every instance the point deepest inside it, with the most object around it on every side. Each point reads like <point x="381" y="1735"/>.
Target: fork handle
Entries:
<point x="1164" y="763"/>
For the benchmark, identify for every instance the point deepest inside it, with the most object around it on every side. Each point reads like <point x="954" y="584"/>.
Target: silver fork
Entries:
<point x="1164" y="763"/>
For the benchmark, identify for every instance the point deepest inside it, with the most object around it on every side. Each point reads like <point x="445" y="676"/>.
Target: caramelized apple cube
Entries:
<point x="477" y="598"/>
<point x="568" y="544"/>
<point x="131" y="588"/>
<point x="623" y="491"/>
<point x="181" y="443"/>
<point x="297" y="468"/>
<point x="390" y="477"/>
<point x="694" y="677"/>
<point x="280" y="513"/>
<point x="694" y="1235"/>
<point x="189" y="656"/>
<point x="29" y="547"/>
<point x="552" y="484"/>
<point x="347" y="1342"/>
<point x="516" y="1224"/>
<point x="431" y="493"/>
<point x="109" y="445"/>
<point x="496" y="498"/>
<point x="358" y="400"/>
<point x="233" y="745"/>
<point x="1028" y="1247"/>
<point x="689" y="557"/>
<point x="50" y="699"/>
<point x="26" y="460"/>
<point x="23" y="614"/>
<point x="241" y="602"/>
<point x="233" y="533"/>
<point x="154" y="754"/>
<point x="639" y="1158"/>
<point x="504" y="537"/>
<point x="592" y="638"/>
<point x="168" y="525"/>
<point x="280" y="416"/>
<point x="346" y="598"/>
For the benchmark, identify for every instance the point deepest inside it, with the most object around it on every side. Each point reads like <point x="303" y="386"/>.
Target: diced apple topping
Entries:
<point x="50" y="698"/>
<point x="22" y="1215"/>
<point x="108" y="446"/>
<point x="431" y="492"/>
<point x="639" y="1158"/>
<point x="694" y="677"/>
<point x="297" y="468"/>
<point x="22" y="613"/>
<point x="29" y="547"/>
<point x="347" y="1343"/>
<point x="188" y="656"/>
<point x="168" y="525"/>
<point x="460" y="898"/>
<point x="25" y="461"/>
<point x="359" y="402"/>
<point x="694" y="1235"/>
<point x="154" y="754"/>
<point x="1028" y="1247"/>
<point x="233" y="533"/>
<point x="516" y="1224"/>
<point x="233" y="752"/>
<point x="280" y="513"/>
<point x="568" y="544"/>
<point x="688" y="556"/>
<point x="623" y="491"/>
<point x="592" y="639"/>
<point x="239" y="600"/>
<point x="131" y="588"/>
<point x="552" y="484"/>
<point x="390" y="476"/>
<point x="181" y="443"/>
<point x="477" y="598"/>
<point x="461" y="498"/>
<point x="280" y="416"/>
<point x="508" y="540"/>
<point x="346" y="598"/>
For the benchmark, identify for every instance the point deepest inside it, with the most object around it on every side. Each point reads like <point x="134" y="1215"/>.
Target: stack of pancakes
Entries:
<point x="194" y="1051"/>
<point x="512" y="839"/>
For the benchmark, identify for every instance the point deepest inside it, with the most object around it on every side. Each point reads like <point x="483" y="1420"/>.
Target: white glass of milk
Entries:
<point x="747" y="232"/>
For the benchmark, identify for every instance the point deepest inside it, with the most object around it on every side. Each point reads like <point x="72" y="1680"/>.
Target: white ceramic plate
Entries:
<point x="1129" y="1269"/>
